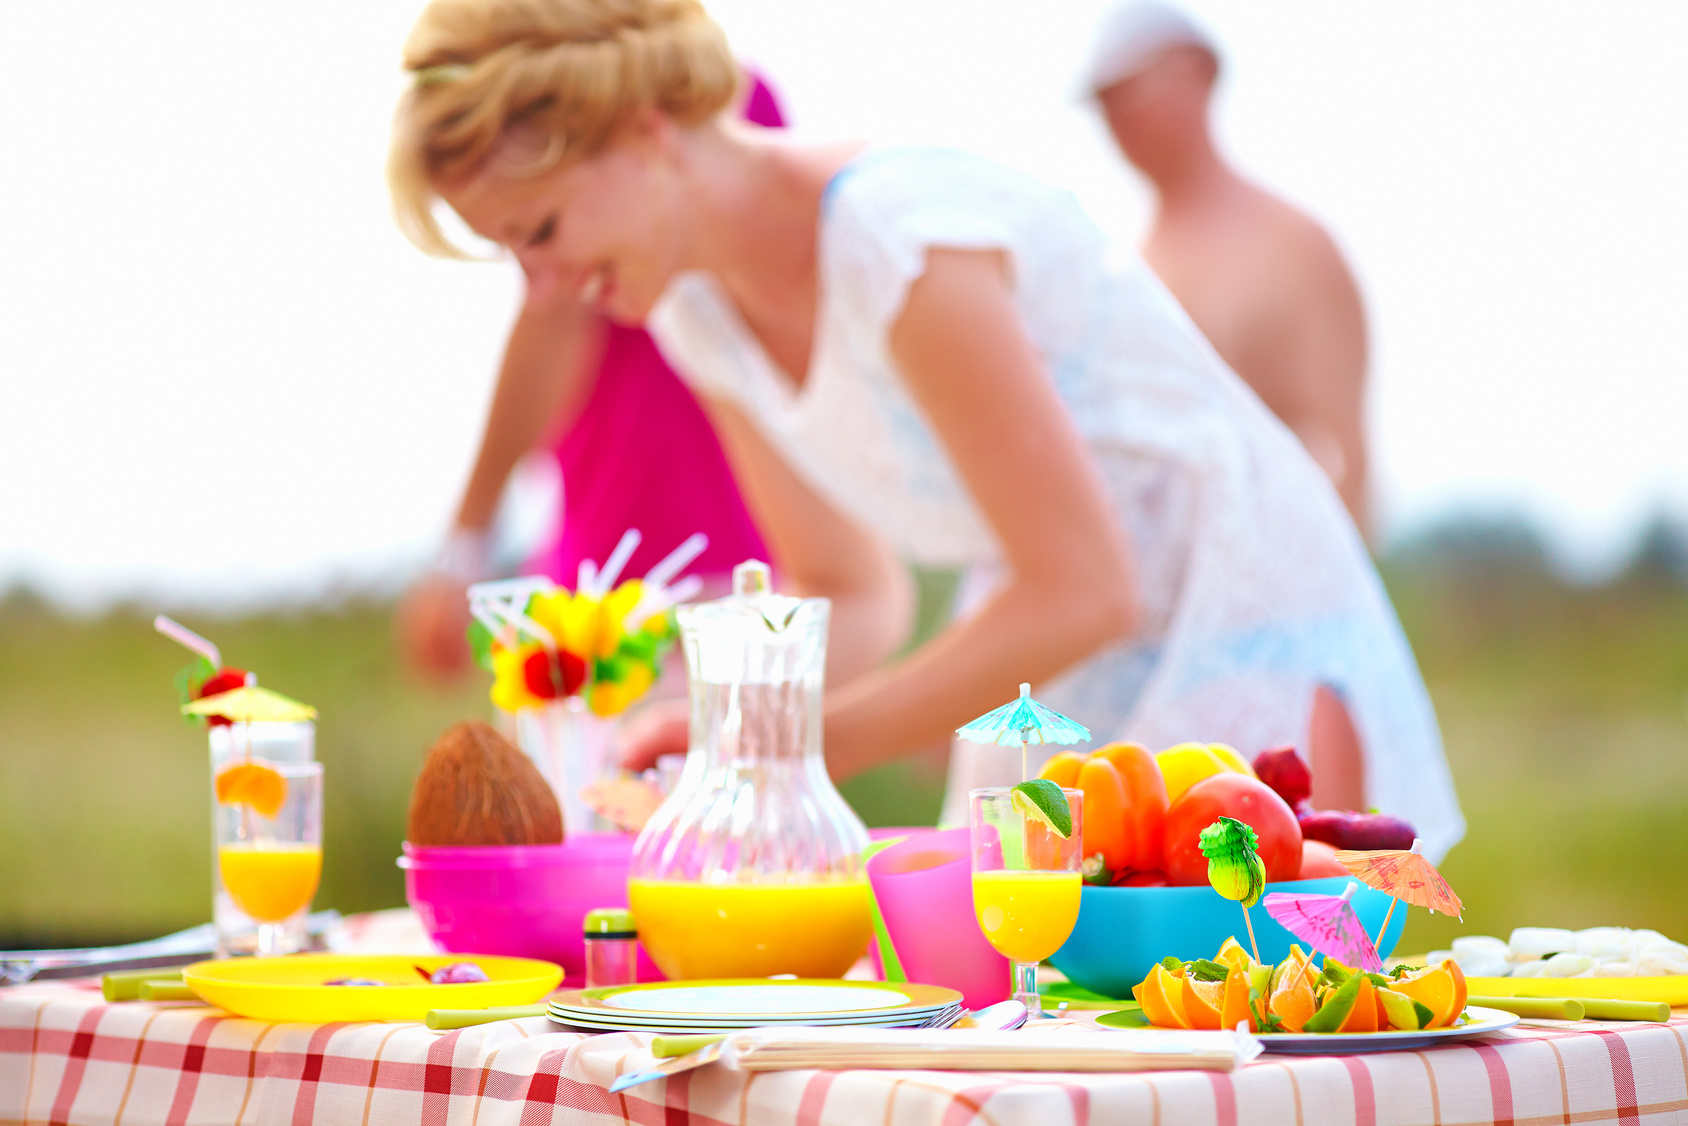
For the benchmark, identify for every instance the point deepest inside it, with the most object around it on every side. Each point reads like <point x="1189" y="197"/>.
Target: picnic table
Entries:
<point x="67" y="1056"/>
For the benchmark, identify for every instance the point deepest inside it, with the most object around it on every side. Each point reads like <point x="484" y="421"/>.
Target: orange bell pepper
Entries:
<point x="1145" y="805"/>
<point x="1062" y="769"/>
<point x="1106" y="813"/>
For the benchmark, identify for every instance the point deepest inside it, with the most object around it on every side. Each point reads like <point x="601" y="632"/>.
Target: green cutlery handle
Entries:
<point x="1541" y="1008"/>
<point x="443" y="1019"/>
<point x="1601" y="1008"/>
<point x="668" y="1047"/>
<point x="157" y="990"/>
<point x="125" y="985"/>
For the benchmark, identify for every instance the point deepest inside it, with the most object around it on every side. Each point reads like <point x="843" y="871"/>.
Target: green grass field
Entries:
<point x="1563" y="709"/>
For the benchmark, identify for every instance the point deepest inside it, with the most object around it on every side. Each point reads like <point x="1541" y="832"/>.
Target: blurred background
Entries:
<point x="230" y="390"/>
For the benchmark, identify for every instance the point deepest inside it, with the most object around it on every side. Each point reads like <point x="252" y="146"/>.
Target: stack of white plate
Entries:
<point x="682" y="1007"/>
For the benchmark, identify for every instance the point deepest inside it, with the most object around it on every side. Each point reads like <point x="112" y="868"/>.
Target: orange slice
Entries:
<point x="1162" y="996"/>
<point x="1203" y="1002"/>
<point x="1293" y="1001"/>
<point x="1363" y="1016"/>
<point x="1441" y="989"/>
<point x="253" y="784"/>
<point x="1233" y="1008"/>
<point x="1232" y="954"/>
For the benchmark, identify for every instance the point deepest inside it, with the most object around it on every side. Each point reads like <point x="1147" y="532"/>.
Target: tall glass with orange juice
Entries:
<point x="1028" y="849"/>
<point x="231" y="744"/>
<point x="269" y="842"/>
<point x="753" y="865"/>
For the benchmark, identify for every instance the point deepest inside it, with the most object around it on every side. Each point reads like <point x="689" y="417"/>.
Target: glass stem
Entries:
<point x="1025" y="989"/>
<point x="271" y="938"/>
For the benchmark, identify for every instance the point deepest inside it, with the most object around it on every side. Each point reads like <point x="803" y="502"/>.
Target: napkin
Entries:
<point x="1052" y="1045"/>
<point x="1073" y="1048"/>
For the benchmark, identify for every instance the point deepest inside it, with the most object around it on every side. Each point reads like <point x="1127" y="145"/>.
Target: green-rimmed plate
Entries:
<point x="718" y="1003"/>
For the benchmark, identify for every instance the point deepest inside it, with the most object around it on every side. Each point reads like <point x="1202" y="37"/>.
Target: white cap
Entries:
<point x="1132" y="33"/>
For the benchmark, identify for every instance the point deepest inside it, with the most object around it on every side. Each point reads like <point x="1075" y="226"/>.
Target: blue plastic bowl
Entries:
<point x="1122" y="932"/>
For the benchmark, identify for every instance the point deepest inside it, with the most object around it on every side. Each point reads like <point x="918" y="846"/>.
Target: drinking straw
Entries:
<point x="611" y="571"/>
<point x="444" y="1019"/>
<point x="1606" y="1008"/>
<point x="676" y="561"/>
<point x="182" y="635"/>
<point x="1538" y="1008"/>
<point x="159" y="989"/>
<point x="656" y="600"/>
<point x="125" y="985"/>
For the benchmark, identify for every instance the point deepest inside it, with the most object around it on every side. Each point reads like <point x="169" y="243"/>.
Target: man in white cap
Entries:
<point x="1262" y="280"/>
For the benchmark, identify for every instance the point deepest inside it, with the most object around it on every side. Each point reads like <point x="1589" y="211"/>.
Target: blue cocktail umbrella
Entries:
<point x="1021" y="722"/>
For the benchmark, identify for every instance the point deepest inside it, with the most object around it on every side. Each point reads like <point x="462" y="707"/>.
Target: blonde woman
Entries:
<point x="916" y="353"/>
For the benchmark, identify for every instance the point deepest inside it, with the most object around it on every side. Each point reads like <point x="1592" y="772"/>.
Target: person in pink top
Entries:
<point x="632" y="445"/>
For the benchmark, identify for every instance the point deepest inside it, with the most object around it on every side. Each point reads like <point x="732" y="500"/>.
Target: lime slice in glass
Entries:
<point x="1042" y="800"/>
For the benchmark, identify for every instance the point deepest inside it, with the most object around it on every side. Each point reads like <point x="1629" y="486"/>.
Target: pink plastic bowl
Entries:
<point x="528" y="901"/>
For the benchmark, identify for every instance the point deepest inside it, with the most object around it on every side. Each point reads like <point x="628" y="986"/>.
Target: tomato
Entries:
<point x="1145" y="795"/>
<point x="1141" y="880"/>
<point x="1106" y="814"/>
<point x="1318" y="860"/>
<point x="1231" y="795"/>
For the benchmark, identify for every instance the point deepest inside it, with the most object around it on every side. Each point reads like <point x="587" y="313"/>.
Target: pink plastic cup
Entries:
<point x="526" y="901"/>
<point x="924" y="888"/>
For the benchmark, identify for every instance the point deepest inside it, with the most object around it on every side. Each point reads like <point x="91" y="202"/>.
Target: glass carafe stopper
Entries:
<point x="751" y="577"/>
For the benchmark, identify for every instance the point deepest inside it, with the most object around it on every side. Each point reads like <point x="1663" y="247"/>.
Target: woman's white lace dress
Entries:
<point x="1256" y="586"/>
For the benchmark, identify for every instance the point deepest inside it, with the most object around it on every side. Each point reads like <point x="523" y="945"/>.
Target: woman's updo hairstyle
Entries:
<point x="574" y="70"/>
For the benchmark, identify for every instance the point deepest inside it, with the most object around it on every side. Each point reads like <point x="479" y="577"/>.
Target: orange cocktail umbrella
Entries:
<point x="1403" y="875"/>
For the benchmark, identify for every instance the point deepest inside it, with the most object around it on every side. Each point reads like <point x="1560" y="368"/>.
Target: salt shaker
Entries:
<point x="612" y="947"/>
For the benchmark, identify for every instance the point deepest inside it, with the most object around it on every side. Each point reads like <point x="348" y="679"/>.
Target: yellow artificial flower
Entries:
<point x="611" y="698"/>
<point x="509" y="679"/>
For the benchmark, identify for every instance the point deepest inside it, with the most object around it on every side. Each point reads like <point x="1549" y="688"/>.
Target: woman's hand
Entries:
<point x="431" y="623"/>
<point x="659" y="728"/>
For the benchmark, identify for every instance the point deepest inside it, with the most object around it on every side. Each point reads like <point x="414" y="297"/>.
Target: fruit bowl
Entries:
<point x="1122" y="931"/>
<point x="526" y="901"/>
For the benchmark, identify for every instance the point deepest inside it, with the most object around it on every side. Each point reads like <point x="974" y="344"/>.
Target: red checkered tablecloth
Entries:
<point x="68" y="1057"/>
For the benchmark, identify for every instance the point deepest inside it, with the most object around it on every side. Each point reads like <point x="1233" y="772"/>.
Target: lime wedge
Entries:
<point x="1042" y="800"/>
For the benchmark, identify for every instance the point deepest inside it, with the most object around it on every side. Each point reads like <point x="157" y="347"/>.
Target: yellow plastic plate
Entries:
<point x="1671" y="990"/>
<point x="292" y="989"/>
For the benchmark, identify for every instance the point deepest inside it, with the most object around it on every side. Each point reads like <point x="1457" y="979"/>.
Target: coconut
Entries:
<point x="475" y="788"/>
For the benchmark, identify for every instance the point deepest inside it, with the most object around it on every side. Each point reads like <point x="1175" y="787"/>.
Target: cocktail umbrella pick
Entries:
<point x="1328" y="924"/>
<point x="1021" y="722"/>
<point x="1234" y="868"/>
<point x="1402" y="875"/>
<point x="252" y="704"/>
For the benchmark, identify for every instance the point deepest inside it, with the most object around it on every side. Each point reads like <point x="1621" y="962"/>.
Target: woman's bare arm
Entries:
<point x="820" y="552"/>
<point x="548" y="364"/>
<point x="969" y="364"/>
<point x="542" y="383"/>
<point x="965" y="356"/>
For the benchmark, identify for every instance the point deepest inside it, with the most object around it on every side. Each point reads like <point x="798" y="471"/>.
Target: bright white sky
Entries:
<point x="225" y="377"/>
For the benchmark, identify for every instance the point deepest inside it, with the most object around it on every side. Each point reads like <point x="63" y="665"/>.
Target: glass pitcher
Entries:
<point x="753" y="865"/>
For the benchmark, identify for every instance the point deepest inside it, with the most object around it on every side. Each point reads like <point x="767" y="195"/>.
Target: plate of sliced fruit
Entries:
<point x="1295" y="1006"/>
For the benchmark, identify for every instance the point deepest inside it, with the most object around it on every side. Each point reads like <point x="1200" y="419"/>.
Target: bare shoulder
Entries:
<point x="1307" y="257"/>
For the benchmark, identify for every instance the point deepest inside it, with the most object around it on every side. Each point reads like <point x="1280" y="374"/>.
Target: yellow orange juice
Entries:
<point x="1026" y="915"/>
<point x="814" y="928"/>
<point x="270" y="881"/>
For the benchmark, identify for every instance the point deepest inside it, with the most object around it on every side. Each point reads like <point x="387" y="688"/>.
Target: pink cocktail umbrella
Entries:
<point x="1328" y="924"/>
